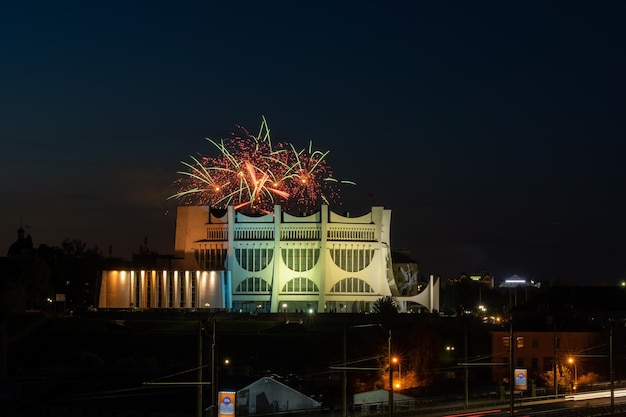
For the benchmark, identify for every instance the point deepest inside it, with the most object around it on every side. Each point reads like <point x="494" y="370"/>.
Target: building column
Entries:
<point x="276" y="260"/>
<point x="321" y="306"/>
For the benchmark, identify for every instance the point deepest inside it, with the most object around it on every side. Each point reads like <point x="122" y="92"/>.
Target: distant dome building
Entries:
<point x="22" y="246"/>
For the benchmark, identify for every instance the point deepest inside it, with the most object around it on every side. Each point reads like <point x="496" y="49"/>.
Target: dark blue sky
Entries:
<point x="493" y="131"/>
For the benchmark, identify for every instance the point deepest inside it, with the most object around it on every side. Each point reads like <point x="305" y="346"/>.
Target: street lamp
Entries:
<point x="571" y="361"/>
<point x="398" y="383"/>
<point x="395" y="360"/>
<point x="390" y="377"/>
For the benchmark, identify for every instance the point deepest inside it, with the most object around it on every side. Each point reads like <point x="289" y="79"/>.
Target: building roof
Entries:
<point x="22" y="246"/>
<point x="378" y="396"/>
<point x="268" y="392"/>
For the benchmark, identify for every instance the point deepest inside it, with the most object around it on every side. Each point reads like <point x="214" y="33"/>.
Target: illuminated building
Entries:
<point x="484" y="279"/>
<point x="535" y="348"/>
<point x="323" y="262"/>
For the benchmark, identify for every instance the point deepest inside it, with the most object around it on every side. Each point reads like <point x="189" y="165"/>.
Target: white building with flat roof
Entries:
<point x="323" y="262"/>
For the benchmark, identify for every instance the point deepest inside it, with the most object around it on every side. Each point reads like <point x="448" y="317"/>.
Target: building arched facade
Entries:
<point x="323" y="262"/>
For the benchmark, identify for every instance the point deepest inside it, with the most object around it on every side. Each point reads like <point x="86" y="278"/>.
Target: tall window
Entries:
<point x="170" y="292"/>
<point x="181" y="284"/>
<point x="137" y="290"/>
<point x="505" y="341"/>
<point x="547" y="364"/>
<point x="352" y="260"/>
<point x="254" y="259"/>
<point x="194" y="291"/>
<point x="212" y="259"/>
<point x="158" y="292"/>
<point x="148" y="290"/>
<point x="300" y="259"/>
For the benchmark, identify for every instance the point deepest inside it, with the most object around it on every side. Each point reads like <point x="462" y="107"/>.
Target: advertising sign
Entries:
<point x="226" y="407"/>
<point x="521" y="379"/>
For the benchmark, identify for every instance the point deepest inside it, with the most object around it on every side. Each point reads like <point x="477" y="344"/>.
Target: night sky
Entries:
<point x="494" y="131"/>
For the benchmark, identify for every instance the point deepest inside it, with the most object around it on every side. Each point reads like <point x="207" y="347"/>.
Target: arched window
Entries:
<point x="254" y="259"/>
<point x="253" y="284"/>
<point x="352" y="285"/>
<point x="352" y="260"/>
<point x="300" y="259"/>
<point x="211" y="258"/>
<point x="300" y="285"/>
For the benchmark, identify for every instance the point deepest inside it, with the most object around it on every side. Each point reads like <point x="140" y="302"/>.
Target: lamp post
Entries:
<point x="344" y="404"/>
<point x="398" y="383"/>
<point x="611" y="366"/>
<point x="390" y="378"/>
<point x="466" y="390"/>
<point x="396" y="360"/>
<point x="572" y="361"/>
<point x="199" y="388"/>
<point x="511" y="369"/>
<point x="554" y="364"/>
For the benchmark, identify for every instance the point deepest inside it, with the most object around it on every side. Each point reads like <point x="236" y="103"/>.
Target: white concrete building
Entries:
<point x="323" y="262"/>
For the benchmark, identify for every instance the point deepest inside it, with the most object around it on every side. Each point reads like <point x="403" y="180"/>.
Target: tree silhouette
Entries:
<point x="386" y="305"/>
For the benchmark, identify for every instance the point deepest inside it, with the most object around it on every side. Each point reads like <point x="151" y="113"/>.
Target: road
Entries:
<point x="575" y="404"/>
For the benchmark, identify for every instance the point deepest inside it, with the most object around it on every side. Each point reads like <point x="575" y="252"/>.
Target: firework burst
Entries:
<point x="252" y="175"/>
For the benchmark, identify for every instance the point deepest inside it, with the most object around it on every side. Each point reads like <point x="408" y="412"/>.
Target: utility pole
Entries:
<point x="344" y="410"/>
<point x="344" y="366"/>
<point x="390" y="378"/>
<point x="199" y="372"/>
<point x="511" y="368"/>
<point x="554" y="367"/>
<point x="213" y="384"/>
<point x="611" y="366"/>
<point x="466" y="371"/>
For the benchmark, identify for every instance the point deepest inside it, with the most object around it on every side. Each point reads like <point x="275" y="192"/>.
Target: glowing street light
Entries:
<point x="395" y="360"/>
<point x="571" y="361"/>
<point x="390" y="377"/>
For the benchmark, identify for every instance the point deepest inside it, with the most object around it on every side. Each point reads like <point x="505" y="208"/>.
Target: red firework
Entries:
<point x="250" y="175"/>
